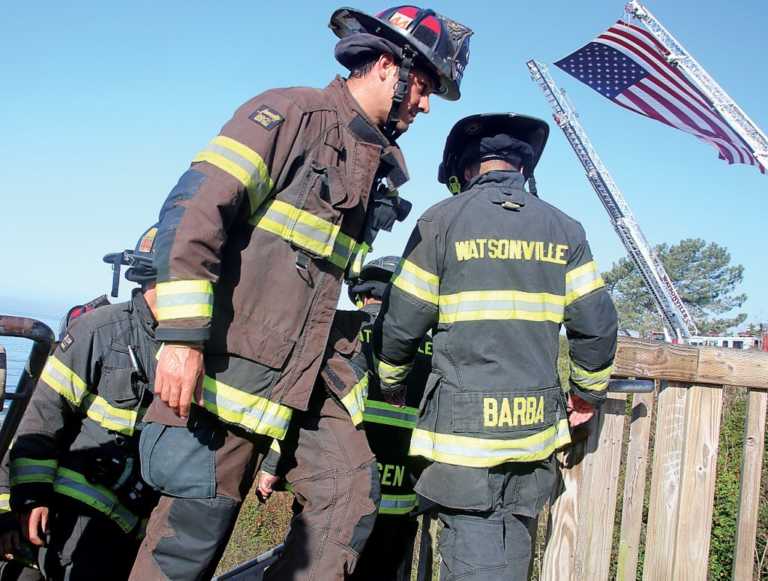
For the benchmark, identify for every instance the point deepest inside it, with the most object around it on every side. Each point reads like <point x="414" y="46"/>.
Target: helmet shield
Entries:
<point x="441" y="44"/>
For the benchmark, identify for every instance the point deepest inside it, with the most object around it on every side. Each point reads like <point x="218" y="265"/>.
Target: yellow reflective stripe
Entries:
<point x="275" y="446"/>
<point x="380" y="412"/>
<point x="581" y="281"/>
<point x="501" y="305"/>
<point x="298" y="226"/>
<point x="354" y="401"/>
<point x="397" y="503"/>
<point x="184" y="299"/>
<point x="486" y="452"/>
<point x="32" y="470"/>
<point x="108" y="416"/>
<point x="75" y="485"/>
<point x="250" y="411"/>
<point x="242" y="163"/>
<point x="416" y="281"/>
<point x="63" y="380"/>
<point x="343" y="248"/>
<point x="591" y="380"/>
<point x="392" y="374"/>
<point x="5" y="502"/>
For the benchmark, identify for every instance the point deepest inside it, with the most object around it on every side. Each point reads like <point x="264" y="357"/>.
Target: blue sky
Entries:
<point x="103" y="104"/>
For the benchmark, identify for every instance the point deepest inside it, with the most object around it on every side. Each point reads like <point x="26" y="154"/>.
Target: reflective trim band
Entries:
<point x="298" y="226"/>
<point x="358" y="259"/>
<point x="63" y="380"/>
<point x="501" y="306"/>
<point x="108" y="416"/>
<point x="397" y="503"/>
<point x="307" y="231"/>
<point x="591" y="380"/>
<point x="242" y="163"/>
<point x="184" y="299"/>
<point x="75" y="485"/>
<point x="354" y="401"/>
<point x="275" y="446"/>
<point x="392" y="374"/>
<point x="486" y="452"/>
<point x="5" y="503"/>
<point x="33" y="471"/>
<point x="252" y="412"/>
<point x="381" y="412"/>
<point x="416" y="281"/>
<point x="581" y="281"/>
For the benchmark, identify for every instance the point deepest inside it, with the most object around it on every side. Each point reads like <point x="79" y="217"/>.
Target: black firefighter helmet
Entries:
<point x="492" y="136"/>
<point x="416" y="37"/>
<point x="373" y="279"/>
<point x="140" y="261"/>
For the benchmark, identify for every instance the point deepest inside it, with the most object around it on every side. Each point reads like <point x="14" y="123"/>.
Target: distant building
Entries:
<point x="728" y="341"/>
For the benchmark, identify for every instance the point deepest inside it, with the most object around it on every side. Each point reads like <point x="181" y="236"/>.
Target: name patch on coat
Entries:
<point x="267" y="117"/>
<point x="506" y="249"/>
<point x="510" y="411"/>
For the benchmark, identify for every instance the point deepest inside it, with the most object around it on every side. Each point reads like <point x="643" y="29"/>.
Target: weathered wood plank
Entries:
<point x="697" y="491"/>
<point x="749" y="503"/>
<point x="634" y="486"/>
<point x="562" y="533"/>
<point x="600" y="487"/>
<point x="699" y="365"/>
<point x="665" y="484"/>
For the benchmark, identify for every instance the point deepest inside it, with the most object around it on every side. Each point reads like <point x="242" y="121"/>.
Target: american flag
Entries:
<point x="629" y="66"/>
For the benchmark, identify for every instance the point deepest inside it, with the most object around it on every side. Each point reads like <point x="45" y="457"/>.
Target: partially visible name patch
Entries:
<point x="267" y="117"/>
<point x="66" y="342"/>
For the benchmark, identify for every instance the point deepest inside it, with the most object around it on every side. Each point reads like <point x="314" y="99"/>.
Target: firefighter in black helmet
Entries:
<point x="387" y="424"/>
<point x="498" y="272"/>
<point x="74" y="469"/>
<point x="254" y="242"/>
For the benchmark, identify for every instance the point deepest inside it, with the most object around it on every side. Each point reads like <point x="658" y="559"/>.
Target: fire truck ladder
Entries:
<point x="734" y="115"/>
<point x="678" y="323"/>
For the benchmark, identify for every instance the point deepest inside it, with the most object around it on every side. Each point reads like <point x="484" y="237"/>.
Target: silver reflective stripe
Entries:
<point x="412" y="279"/>
<point x="397" y="503"/>
<point x="63" y="380"/>
<point x="245" y="415"/>
<point x="109" y="417"/>
<point x="184" y="299"/>
<point x="488" y="306"/>
<point x="382" y="413"/>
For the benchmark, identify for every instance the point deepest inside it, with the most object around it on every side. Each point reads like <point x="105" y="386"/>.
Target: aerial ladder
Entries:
<point x="677" y="56"/>
<point x="678" y="323"/>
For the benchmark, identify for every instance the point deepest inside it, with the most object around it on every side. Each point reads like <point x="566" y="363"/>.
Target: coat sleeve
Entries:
<point x="51" y="419"/>
<point x="410" y="306"/>
<point x="228" y="181"/>
<point x="591" y="325"/>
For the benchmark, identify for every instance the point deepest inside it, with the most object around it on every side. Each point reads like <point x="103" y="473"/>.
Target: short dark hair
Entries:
<point x="363" y="67"/>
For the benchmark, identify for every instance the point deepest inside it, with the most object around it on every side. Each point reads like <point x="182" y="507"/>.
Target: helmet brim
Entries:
<point x="347" y="21"/>
<point x="531" y="130"/>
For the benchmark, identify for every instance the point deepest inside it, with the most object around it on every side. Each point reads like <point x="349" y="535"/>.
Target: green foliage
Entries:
<point x="726" y="506"/>
<point x="703" y="276"/>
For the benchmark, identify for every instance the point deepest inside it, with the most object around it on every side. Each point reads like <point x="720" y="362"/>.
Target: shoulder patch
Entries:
<point x="66" y="342"/>
<point x="267" y="117"/>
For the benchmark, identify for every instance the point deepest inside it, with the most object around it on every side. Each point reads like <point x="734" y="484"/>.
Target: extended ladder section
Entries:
<point x="677" y="321"/>
<point x="736" y="118"/>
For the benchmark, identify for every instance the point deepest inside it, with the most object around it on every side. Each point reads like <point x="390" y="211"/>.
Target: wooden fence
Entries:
<point x="686" y="409"/>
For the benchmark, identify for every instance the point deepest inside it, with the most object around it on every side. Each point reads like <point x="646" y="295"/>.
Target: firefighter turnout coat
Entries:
<point x="78" y="437"/>
<point x="253" y="243"/>
<point x="496" y="271"/>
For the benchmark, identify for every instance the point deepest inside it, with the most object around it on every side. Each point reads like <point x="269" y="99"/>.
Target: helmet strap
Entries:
<point x="401" y="90"/>
<point x="532" y="186"/>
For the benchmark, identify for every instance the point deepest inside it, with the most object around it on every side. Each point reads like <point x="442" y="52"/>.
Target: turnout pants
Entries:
<point x="84" y="545"/>
<point x="204" y="471"/>
<point x="486" y="516"/>
<point x="388" y="556"/>
<point x="336" y="485"/>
